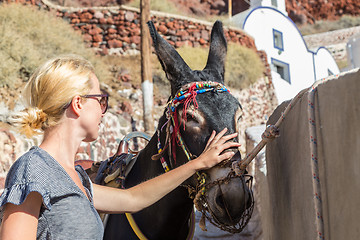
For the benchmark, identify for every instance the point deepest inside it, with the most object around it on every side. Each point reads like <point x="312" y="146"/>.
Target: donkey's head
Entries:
<point x="195" y="111"/>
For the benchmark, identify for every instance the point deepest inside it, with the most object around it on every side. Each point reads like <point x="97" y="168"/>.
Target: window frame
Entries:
<point x="280" y="34"/>
<point x="286" y="66"/>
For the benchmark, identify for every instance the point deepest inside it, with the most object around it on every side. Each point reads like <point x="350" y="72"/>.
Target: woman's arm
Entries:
<point x="20" y="221"/>
<point x="112" y="200"/>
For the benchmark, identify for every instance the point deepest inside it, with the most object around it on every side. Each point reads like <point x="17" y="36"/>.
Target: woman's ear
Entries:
<point x="76" y="105"/>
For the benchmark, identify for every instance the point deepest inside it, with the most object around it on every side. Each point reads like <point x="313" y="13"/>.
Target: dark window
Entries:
<point x="282" y="68"/>
<point x="330" y="72"/>
<point x="274" y="3"/>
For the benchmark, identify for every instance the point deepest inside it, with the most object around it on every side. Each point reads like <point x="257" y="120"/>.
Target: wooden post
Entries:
<point x="146" y="75"/>
<point x="230" y="9"/>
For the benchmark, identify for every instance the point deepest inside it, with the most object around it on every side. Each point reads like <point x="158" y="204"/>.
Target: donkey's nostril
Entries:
<point x="220" y="201"/>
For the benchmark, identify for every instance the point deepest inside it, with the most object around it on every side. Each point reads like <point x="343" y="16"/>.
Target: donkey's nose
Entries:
<point x="228" y="212"/>
<point x="230" y="201"/>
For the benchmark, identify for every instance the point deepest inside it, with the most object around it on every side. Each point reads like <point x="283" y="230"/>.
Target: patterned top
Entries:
<point x="66" y="212"/>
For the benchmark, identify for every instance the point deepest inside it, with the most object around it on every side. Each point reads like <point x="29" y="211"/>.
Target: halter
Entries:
<point x="187" y="95"/>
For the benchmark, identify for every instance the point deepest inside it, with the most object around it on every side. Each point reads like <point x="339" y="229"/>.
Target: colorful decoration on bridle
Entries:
<point x="186" y="96"/>
<point x="160" y="149"/>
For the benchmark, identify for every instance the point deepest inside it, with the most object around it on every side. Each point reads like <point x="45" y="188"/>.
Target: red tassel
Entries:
<point x="188" y="100"/>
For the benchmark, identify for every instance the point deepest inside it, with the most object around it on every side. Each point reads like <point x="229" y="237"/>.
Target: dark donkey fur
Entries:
<point x="168" y="218"/>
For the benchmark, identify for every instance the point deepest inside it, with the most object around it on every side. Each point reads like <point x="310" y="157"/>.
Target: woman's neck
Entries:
<point x="62" y="144"/>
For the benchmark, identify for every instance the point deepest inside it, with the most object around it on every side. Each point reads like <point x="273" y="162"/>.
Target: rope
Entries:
<point x="315" y="167"/>
<point x="319" y="221"/>
<point x="270" y="133"/>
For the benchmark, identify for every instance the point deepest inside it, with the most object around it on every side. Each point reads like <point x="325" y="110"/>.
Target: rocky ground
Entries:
<point x="300" y="11"/>
<point x="309" y="11"/>
<point x="197" y="7"/>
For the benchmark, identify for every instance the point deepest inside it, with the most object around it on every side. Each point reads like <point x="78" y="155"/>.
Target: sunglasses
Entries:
<point x="103" y="101"/>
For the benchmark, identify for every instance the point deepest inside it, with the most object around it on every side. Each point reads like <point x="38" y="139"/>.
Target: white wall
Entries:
<point x="283" y="90"/>
<point x="324" y="62"/>
<point x="305" y="66"/>
<point x="260" y="24"/>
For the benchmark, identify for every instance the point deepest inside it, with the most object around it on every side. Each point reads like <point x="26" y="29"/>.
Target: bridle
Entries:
<point x="186" y="96"/>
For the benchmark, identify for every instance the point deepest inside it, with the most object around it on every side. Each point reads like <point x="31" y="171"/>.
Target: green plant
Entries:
<point x="29" y="36"/>
<point x="243" y="66"/>
<point x="194" y="57"/>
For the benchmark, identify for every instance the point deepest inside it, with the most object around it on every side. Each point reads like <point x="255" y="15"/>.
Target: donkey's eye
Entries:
<point x="190" y="117"/>
<point x="192" y="121"/>
<point x="239" y="118"/>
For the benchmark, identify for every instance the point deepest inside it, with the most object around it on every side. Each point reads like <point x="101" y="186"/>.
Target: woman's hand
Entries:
<point x="213" y="152"/>
<point x="112" y="200"/>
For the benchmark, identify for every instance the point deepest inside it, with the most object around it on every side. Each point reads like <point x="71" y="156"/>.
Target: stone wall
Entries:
<point x="116" y="30"/>
<point x="334" y="41"/>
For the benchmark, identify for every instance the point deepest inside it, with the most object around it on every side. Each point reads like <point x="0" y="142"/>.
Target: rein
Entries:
<point x="187" y="95"/>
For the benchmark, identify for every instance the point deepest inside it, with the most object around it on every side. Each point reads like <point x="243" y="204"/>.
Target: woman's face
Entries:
<point x="92" y="114"/>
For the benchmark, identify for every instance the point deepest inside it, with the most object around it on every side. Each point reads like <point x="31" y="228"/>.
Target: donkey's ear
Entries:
<point x="217" y="53"/>
<point x="177" y="71"/>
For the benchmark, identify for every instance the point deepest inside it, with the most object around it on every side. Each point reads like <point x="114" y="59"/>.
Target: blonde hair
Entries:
<point x="49" y="90"/>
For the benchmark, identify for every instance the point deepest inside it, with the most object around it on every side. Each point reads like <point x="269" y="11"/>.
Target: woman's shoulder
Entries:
<point x="32" y="159"/>
<point x="30" y="165"/>
<point x="29" y="173"/>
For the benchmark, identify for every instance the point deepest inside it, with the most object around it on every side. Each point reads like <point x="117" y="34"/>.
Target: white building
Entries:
<point x="294" y="67"/>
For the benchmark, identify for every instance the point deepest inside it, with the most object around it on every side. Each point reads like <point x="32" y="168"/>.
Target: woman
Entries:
<point x="46" y="196"/>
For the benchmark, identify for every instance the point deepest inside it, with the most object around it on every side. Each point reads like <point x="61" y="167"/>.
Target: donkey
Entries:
<point x="194" y="111"/>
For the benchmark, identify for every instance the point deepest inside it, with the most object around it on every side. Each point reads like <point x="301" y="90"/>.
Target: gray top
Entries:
<point x="66" y="213"/>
